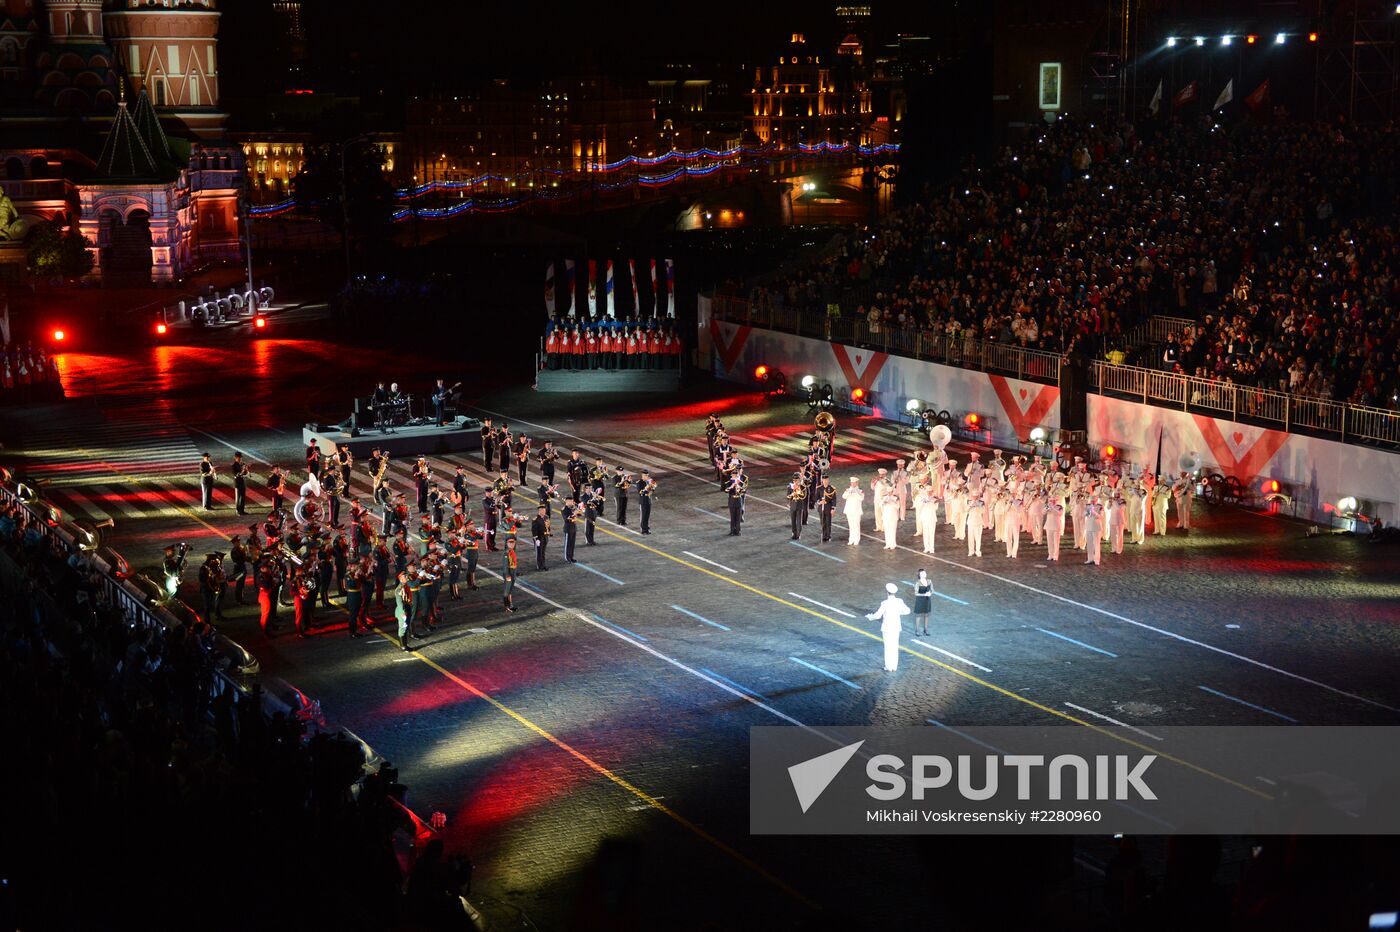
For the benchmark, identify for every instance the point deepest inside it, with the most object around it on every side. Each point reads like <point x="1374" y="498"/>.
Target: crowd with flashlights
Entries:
<point x="27" y="375"/>
<point x="1104" y="504"/>
<point x="1278" y="236"/>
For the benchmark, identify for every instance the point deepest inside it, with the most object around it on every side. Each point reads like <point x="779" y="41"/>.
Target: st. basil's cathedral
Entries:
<point x="110" y="122"/>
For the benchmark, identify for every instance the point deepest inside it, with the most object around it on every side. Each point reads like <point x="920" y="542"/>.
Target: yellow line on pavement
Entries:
<point x="603" y="771"/>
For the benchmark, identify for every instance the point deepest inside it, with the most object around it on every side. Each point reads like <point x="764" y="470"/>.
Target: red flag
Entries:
<point x="1186" y="95"/>
<point x="1258" y="97"/>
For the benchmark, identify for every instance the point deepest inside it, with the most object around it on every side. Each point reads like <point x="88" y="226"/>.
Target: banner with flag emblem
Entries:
<point x="1258" y="97"/>
<point x="655" y="295"/>
<point x="632" y="274"/>
<point x="1156" y="103"/>
<point x="1186" y="95"/>
<point x="592" y="287"/>
<point x="608" y="291"/>
<point x="549" y="289"/>
<point x="1226" y="95"/>
<point x="569" y="293"/>
<point x="670" y="288"/>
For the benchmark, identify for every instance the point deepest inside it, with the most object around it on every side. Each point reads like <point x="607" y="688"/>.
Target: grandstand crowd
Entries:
<point x="1276" y="237"/>
<point x="137" y="796"/>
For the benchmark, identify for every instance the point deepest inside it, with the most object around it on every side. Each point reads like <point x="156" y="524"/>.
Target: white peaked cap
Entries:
<point x="891" y="588"/>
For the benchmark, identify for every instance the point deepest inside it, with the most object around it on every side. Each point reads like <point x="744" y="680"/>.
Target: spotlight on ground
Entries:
<point x="1347" y="506"/>
<point x="1251" y="39"/>
<point x="913" y="405"/>
<point x="808" y="381"/>
<point x="1171" y="42"/>
<point x="858" y="396"/>
<point x="1279" y="39"/>
<point x="161" y="330"/>
<point x="760" y="373"/>
<point x="1312" y="37"/>
<point x="1200" y="40"/>
<point x="1109" y="451"/>
<point x="259" y="322"/>
<point x="59" y="336"/>
<point x="1226" y="40"/>
<point x="972" y="420"/>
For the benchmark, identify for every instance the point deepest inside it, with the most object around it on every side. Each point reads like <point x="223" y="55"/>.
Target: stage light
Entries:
<point x="1312" y="37"/>
<point x="1109" y="451"/>
<point x="1226" y="40"/>
<point x="1278" y="39"/>
<point x="1269" y="487"/>
<point x="59" y="336"/>
<point x="1171" y="42"/>
<point x="1347" y="506"/>
<point x="1200" y="40"/>
<point x="808" y="381"/>
<point x="972" y="420"/>
<point x="913" y="405"/>
<point x="760" y="373"/>
<point x="1039" y="434"/>
<point x="1251" y="39"/>
<point x="161" y="329"/>
<point x="858" y="395"/>
<point x="259" y="322"/>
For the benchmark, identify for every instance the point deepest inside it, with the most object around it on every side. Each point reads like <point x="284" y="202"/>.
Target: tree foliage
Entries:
<point x="56" y="252"/>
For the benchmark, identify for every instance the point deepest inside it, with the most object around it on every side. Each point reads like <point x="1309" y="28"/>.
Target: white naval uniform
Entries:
<point x="1093" y="520"/>
<point x="975" y="507"/>
<point x="890" y="512"/>
<point x="1161" y="495"/>
<point x="852" y="509"/>
<point x="890" y="612"/>
<point x="926" y="510"/>
<point x="1054" y="519"/>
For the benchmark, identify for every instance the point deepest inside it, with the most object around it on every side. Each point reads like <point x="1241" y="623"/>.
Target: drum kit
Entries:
<point x="397" y="412"/>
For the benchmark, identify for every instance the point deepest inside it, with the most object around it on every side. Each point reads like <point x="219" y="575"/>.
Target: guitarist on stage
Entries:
<point x="441" y="394"/>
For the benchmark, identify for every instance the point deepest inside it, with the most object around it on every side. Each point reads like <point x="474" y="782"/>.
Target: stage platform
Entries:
<point x="464" y="433"/>
<point x="609" y="380"/>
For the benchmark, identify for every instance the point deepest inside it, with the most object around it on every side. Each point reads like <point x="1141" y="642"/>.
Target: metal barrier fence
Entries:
<point x="953" y="350"/>
<point x="1296" y="413"/>
<point x="136" y="610"/>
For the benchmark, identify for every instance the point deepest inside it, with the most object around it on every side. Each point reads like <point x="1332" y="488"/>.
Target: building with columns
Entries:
<point x="805" y="98"/>
<point x="113" y="127"/>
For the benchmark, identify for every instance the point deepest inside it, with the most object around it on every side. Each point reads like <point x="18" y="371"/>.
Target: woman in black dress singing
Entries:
<point x="923" y="602"/>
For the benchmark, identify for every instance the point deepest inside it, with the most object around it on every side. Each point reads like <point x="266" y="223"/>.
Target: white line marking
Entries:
<point x="1114" y="721"/>
<point x="948" y="653"/>
<point x="830" y="608"/>
<point x="709" y="561"/>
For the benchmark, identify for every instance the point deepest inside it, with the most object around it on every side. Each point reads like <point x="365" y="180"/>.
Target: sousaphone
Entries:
<point x="939" y="435"/>
<point x="825" y="420"/>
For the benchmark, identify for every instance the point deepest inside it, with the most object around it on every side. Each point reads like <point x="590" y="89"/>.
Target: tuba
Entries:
<point x="825" y="420"/>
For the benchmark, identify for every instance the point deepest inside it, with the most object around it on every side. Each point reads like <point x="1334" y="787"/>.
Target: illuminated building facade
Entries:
<point x="803" y="99"/>
<point x="112" y="126"/>
<point x="563" y="124"/>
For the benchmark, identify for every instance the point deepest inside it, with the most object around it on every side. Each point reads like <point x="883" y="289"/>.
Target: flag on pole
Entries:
<point x="632" y="273"/>
<point x="655" y="295"/>
<point x="1186" y="95"/>
<point x="1156" y="102"/>
<point x="549" y="289"/>
<point x="1227" y="95"/>
<point x="592" y="287"/>
<point x="5" y="322"/>
<point x="569" y="295"/>
<point x="670" y="288"/>
<point x="611" y="302"/>
<point x="1258" y="97"/>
